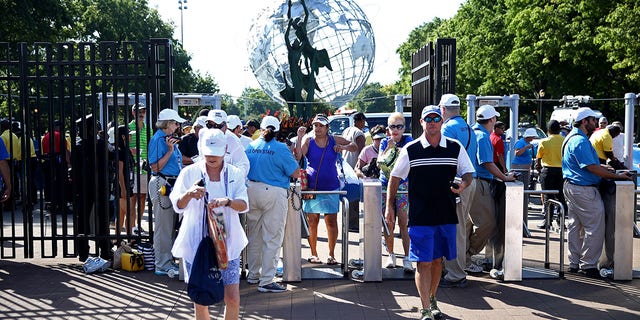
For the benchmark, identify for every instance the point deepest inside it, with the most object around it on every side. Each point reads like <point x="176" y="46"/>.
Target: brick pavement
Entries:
<point x="58" y="289"/>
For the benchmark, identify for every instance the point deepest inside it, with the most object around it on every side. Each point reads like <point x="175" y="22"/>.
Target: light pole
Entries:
<point x="182" y="5"/>
<point x="540" y="96"/>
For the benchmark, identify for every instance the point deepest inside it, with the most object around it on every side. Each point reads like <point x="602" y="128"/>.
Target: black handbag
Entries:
<point x="205" y="285"/>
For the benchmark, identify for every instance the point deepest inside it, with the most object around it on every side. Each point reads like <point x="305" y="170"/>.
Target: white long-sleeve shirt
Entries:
<point x="191" y="229"/>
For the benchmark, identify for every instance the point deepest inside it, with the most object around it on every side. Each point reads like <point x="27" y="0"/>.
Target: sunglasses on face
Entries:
<point x="215" y="125"/>
<point x="396" y="126"/>
<point x="433" y="119"/>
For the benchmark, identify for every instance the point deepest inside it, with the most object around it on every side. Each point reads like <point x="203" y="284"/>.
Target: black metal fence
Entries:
<point x="433" y="73"/>
<point x="57" y="101"/>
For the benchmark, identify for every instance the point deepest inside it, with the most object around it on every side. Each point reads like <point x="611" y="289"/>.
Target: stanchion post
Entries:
<point x="345" y="236"/>
<point x="512" y="262"/>
<point x="370" y="228"/>
<point x="623" y="246"/>
<point x="291" y="244"/>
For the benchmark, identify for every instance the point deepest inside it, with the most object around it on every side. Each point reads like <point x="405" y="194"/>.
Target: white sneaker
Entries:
<point x="407" y="265"/>
<point x="391" y="261"/>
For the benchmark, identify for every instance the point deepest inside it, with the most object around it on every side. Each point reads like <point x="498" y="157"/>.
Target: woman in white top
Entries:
<point x="227" y="192"/>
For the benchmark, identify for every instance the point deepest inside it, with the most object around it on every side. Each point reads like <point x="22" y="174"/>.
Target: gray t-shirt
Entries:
<point x="351" y="134"/>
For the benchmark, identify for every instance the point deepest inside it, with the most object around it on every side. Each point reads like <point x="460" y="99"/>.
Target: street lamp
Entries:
<point x="182" y="5"/>
<point x="540" y="96"/>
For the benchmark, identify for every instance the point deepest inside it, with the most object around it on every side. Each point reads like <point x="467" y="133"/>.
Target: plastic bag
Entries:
<point x="117" y="255"/>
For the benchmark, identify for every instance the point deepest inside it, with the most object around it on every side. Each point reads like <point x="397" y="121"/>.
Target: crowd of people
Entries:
<point x="231" y="168"/>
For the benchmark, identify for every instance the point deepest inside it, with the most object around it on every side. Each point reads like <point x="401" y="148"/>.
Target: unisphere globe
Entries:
<point x="339" y="26"/>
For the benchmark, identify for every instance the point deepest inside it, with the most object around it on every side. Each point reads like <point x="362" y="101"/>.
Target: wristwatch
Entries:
<point x="228" y="202"/>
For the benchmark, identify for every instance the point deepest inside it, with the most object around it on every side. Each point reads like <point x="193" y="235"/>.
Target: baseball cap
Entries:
<point x="583" y="113"/>
<point x="486" y="112"/>
<point x="253" y="123"/>
<point x="378" y="132"/>
<point x="359" y="116"/>
<point x="138" y="106"/>
<point x="170" y="114"/>
<point x="214" y="143"/>
<point x="531" y="132"/>
<point x="449" y="100"/>
<point x="270" y="121"/>
<point x="603" y="120"/>
<point x="430" y="109"/>
<point x="201" y="121"/>
<point x="321" y="119"/>
<point x="217" y="116"/>
<point x="233" y="122"/>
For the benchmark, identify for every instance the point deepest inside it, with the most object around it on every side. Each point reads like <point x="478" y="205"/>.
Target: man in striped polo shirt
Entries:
<point x="431" y="164"/>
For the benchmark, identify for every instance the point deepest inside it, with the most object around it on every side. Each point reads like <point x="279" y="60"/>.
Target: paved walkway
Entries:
<point x="58" y="289"/>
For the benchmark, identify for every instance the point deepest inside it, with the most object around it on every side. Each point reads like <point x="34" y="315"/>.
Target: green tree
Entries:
<point x="36" y="20"/>
<point x="617" y="36"/>
<point x="372" y="99"/>
<point x="522" y="46"/>
<point x="205" y="83"/>
<point x="256" y="103"/>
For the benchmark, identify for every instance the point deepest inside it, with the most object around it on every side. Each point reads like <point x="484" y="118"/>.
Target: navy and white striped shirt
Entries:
<point x="430" y="171"/>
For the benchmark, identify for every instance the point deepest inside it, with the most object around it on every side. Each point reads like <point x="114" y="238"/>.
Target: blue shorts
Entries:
<point x="230" y="275"/>
<point x="432" y="242"/>
<point x="323" y="203"/>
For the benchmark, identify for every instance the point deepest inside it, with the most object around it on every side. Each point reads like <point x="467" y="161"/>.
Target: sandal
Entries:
<point x="314" y="260"/>
<point x="331" y="261"/>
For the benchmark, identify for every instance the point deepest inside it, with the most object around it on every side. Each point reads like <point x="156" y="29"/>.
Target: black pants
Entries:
<point x="551" y="179"/>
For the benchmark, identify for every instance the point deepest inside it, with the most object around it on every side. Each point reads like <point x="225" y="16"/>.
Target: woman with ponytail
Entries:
<point x="271" y="166"/>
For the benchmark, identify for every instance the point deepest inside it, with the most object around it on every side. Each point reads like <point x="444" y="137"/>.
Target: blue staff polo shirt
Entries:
<point x="158" y="148"/>
<point x="577" y="156"/>
<point x="456" y="128"/>
<point x="526" y="157"/>
<point x="271" y="162"/>
<point x="485" y="152"/>
<point x="4" y="154"/>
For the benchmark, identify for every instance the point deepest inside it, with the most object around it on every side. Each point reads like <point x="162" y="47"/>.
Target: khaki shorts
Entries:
<point x="144" y="184"/>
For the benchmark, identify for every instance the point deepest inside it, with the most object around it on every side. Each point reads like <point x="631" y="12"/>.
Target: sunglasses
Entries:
<point x="432" y="119"/>
<point x="215" y="125"/>
<point x="396" y="126"/>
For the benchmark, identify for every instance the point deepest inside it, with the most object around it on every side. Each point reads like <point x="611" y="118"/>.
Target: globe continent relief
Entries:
<point x="339" y="26"/>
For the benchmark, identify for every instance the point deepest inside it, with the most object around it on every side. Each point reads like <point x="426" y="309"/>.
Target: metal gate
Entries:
<point x="433" y="73"/>
<point x="52" y="96"/>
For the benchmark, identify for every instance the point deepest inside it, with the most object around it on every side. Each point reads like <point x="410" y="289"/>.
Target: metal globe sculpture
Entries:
<point x="338" y="26"/>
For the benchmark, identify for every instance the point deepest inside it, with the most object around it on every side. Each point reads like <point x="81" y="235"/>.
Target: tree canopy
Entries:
<point x="98" y="20"/>
<point x="523" y="46"/>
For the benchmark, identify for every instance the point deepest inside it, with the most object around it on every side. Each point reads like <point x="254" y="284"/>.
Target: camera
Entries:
<point x="172" y="137"/>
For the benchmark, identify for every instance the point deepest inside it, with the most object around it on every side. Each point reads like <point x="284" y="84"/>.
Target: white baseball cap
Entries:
<point x="486" y="112"/>
<point x="531" y="132"/>
<point x="201" y="121"/>
<point x="214" y="143"/>
<point x="584" y="112"/>
<point x="449" y="100"/>
<point x="270" y="121"/>
<point x="217" y="116"/>
<point x="321" y="119"/>
<point x="170" y="114"/>
<point x="233" y="122"/>
<point x="431" y="109"/>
